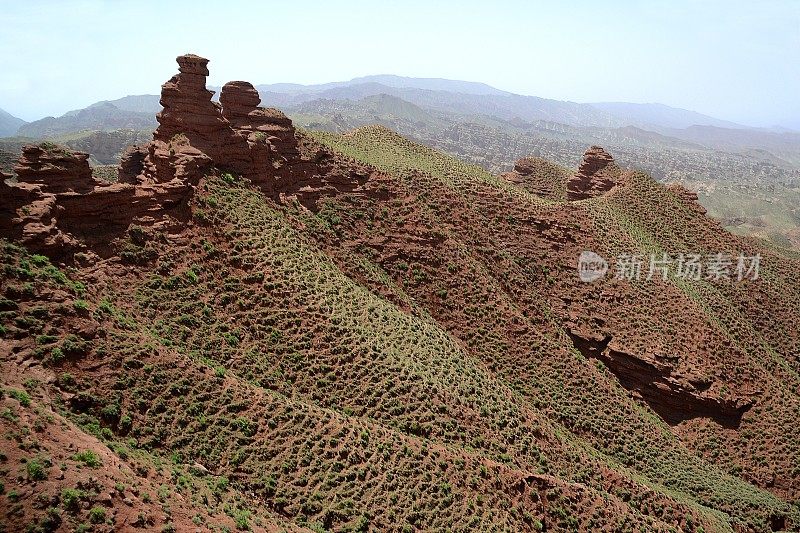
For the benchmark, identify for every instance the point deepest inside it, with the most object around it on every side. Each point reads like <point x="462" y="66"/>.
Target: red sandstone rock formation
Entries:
<point x="240" y="101"/>
<point x="191" y="124"/>
<point x="57" y="206"/>
<point x="188" y="108"/>
<point x="55" y="169"/>
<point x="674" y="396"/>
<point x="55" y="190"/>
<point x="236" y="134"/>
<point x="131" y="164"/>
<point x="596" y="175"/>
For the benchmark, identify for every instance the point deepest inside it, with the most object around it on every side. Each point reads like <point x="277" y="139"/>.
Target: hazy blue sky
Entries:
<point x="738" y="60"/>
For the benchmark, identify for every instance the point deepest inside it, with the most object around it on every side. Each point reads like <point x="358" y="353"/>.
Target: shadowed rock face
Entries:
<point x="674" y="398"/>
<point x="597" y="174"/>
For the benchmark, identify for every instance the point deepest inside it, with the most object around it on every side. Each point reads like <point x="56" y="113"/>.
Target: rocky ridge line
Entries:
<point x="56" y="205"/>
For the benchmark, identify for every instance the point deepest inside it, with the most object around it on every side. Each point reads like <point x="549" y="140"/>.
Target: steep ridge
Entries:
<point x="352" y="332"/>
<point x="706" y="360"/>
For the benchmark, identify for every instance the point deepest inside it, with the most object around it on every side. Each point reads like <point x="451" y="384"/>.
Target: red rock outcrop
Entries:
<point x="235" y="134"/>
<point x="55" y="196"/>
<point x="597" y="174"/>
<point x="673" y="396"/>
<point x="188" y="108"/>
<point x="55" y="169"/>
<point x="240" y="101"/>
<point x="191" y="119"/>
<point x="57" y="206"/>
<point x="131" y="164"/>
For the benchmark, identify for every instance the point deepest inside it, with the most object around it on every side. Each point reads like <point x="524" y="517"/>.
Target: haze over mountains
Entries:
<point x="9" y="124"/>
<point x="747" y="177"/>
<point x="439" y="94"/>
<point x="461" y="99"/>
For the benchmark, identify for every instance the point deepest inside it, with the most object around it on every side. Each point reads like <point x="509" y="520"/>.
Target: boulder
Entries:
<point x="238" y="99"/>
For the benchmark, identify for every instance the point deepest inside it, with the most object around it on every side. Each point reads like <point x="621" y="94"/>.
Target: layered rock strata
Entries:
<point x="56" y="205"/>
<point x="597" y="174"/>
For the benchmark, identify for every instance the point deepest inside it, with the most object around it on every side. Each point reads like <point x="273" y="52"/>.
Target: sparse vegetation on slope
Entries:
<point x="414" y="353"/>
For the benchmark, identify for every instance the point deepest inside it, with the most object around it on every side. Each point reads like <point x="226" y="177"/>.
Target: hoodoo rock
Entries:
<point x="190" y="123"/>
<point x="188" y="108"/>
<point x="240" y="101"/>
<point x="56" y="206"/>
<point x="236" y="135"/>
<point x="597" y="174"/>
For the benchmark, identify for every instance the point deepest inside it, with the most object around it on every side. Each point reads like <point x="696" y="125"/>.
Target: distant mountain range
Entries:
<point x="660" y="116"/>
<point x="418" y="106"/>
<point x="103" y="116"/>
<point x="432" y="94"/>
<point x="389" y="80"/>
<point x="9" y="124"/>
<point x="741" y="166"/>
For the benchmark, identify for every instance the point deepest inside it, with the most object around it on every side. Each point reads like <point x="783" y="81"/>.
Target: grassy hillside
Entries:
<point x="726" y="174"/>
<point x="400" y="357"/>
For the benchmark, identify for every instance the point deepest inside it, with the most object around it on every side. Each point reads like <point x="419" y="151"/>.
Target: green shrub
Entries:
<point x="87" y="457"/>
<point x="35" y="470"/>
<point x="71" y="499"/>
<point x="21" y="396"/>
<point x="97" y="515"/>
<point x="192" y="276"/>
